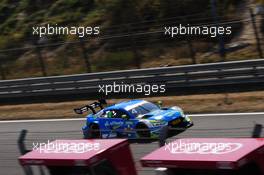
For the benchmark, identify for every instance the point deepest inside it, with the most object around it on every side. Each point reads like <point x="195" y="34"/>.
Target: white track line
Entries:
<point x="80" y="119"/>
<point x="42" y="120"/>
<point x="226" y="114"/>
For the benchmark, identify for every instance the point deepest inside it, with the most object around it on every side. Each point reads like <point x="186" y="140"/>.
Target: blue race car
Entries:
<point x="132" y="119"/>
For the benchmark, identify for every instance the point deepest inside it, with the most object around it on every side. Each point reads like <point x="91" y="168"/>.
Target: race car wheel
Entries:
<point x="173" y="131"/>
<point x="94" y="131"/>
<point x="142" y="131"/>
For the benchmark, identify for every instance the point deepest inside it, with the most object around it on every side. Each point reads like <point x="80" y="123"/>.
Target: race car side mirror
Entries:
<point x="125" y="117"/>
<point x="159" y="103"/>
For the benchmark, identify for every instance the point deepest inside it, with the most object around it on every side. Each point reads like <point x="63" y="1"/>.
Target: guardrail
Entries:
<point x="199" y="78"/>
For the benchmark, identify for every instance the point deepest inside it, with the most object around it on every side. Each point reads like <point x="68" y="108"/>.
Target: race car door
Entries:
<point x="118" y="123"/>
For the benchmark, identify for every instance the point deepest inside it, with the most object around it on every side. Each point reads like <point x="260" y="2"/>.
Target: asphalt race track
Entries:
<point x="213" y="125"/>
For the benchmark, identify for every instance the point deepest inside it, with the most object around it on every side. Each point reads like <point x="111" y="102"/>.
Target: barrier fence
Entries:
<point x="49" y="56"/>
<point x="199" y="78"/>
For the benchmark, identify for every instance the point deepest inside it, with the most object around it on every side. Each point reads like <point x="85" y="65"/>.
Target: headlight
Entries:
<point x="157" y="122"/>
<point x="188" y="119"/>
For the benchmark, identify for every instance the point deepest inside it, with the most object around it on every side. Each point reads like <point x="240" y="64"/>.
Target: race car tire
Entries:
<point x="174" y="131"/>
<point x="143" y="130"/>
<point x="94" y="131"/>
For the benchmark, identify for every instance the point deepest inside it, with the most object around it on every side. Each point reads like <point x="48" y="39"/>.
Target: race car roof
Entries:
<point x="71" y="152"/>
<point x="126" y="105"/>
<point x="205" y="153"/>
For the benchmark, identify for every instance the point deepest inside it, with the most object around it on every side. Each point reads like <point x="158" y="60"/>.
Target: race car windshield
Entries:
<point x="143" y="109"/>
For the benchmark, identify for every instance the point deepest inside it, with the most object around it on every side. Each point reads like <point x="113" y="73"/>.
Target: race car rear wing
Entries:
<point x="91" y="107"/>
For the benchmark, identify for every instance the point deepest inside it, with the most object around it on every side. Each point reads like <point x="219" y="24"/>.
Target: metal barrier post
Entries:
<point x="163" y="135"/>
<point x="23" y="150"/>
<point x="257" y="131"/>
<point x="222" y="50"/>
<point x="253" y="20"/>
<point x="85" y="55"/>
